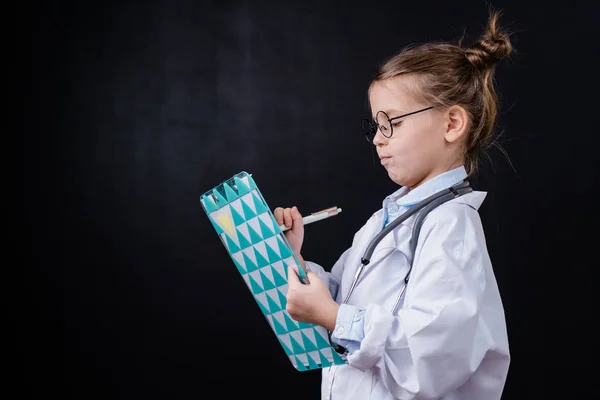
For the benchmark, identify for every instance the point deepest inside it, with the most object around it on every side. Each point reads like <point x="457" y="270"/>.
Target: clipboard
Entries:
<point x="261" y="253"/>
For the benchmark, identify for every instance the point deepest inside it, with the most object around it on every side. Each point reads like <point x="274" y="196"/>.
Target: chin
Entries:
<point x="401" y="179"/>
<point x="398" y="179"/>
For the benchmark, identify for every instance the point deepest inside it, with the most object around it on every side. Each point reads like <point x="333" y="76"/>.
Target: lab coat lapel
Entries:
<point x="397" y="239"/>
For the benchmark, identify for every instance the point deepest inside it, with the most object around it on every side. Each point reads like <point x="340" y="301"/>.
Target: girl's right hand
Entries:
<point x="291" y="217"/>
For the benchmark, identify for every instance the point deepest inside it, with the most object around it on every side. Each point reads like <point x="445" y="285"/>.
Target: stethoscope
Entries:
<point x="422" y="208"/>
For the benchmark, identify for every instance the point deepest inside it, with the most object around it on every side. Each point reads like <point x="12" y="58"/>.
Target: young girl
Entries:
<point x="443" y="334"/>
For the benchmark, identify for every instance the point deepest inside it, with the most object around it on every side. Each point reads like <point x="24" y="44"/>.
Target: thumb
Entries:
<point x="298" y="226"/>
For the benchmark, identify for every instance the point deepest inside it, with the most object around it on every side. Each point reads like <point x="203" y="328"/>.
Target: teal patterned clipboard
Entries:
<point x="261" y="253"/>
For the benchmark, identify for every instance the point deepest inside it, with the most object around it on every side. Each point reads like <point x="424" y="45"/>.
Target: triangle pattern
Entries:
<point x="264" y="228"/>
<point x="279" y="324"/>
<point x="255" y="286"/>
<point x="273" y="247"/>
<point x="324" y="360"/>
<point x="229" y="192"/>
<point x="309" y="344"/>
<point x="208" y="203"/>
<point x="220" y="200"/>
<point x="238" y="219"/>
<point x="239" y="267"/>
<point x="254" y="236"/>
<point x="260" y="260"/>
<point x="296" y="347"/>
<point x="272" y="294"/>
<point x="261" y="249"/>
<point x="320" y="341"/>
<point x="259" y="204"/>
<point x="278" y="280"/>
<point x="302" y="357"/>
<point x="261" y="254"/>
<point x="244" y="236"/>
<point x="290" y="323"/>
<point x="231" y="245"/>
<point x="238" y="257"/>
<point x="254" y="223"/>
<point x="272" y="305"/>
<point x="282" y="299"/>
<point x="276" y="227"/>
<point x="311" y="362"/>
<point x="284" y="251"/>
<point x="267" y="282"/>
<point x="237" y="206"/>
<point x="242" y="185"/>
<point x="248" y="202"/>
<point x="250" y="265"/>
<point x="281" y="269"/>
<point x="248" y="212"/>
<point x="267" y="220"/>
<point x="286" y="347"/>
<point x="261" y="299"/>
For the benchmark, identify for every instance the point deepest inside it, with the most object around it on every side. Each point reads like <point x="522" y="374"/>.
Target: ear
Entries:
<point x="457" y="122"/>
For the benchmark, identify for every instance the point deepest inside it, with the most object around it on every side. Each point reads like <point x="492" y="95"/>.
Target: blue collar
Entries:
<point x="407" y="198"/>
<point x="404" y="198"/>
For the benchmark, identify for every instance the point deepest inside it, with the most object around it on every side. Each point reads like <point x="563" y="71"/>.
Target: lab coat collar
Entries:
<point x="406" y="198"/>
<point x="399" y="238"/>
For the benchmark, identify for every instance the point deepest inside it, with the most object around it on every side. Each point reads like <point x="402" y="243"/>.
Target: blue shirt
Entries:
<point x="350" y="319"/>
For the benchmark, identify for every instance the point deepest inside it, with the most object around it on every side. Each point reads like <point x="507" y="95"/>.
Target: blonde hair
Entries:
<point x="451" y="74"/>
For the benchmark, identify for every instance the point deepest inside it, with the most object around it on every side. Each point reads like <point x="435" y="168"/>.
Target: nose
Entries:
<point x="379" y="139"/>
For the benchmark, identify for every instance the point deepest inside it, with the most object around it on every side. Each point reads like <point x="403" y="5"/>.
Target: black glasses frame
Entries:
<point x="370" y="127"/>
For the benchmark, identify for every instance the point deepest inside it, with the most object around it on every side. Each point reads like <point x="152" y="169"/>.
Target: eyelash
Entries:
<point x="396" y="123"/>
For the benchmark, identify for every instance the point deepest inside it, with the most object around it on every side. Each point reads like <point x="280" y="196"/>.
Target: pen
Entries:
<point x="317" y="216"/>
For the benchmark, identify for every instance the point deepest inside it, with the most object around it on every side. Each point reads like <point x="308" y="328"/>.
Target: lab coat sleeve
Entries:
<point x="429" y="347"/>
<point x="332" y="279"/>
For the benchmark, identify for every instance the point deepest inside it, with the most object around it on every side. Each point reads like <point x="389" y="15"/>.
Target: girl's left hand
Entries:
<point x="311" y="303"/>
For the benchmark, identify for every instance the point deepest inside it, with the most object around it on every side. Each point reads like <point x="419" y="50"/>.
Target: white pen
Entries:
<point x="317" y="216"/>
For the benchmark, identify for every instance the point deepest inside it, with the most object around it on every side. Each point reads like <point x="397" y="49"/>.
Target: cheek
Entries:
<point x="410" y="141"/>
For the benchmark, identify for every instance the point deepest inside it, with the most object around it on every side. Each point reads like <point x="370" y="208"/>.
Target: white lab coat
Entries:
<point x="448" y="340"/>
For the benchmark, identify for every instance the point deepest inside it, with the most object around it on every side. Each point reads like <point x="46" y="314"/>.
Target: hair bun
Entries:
<point x="492" y="47"/>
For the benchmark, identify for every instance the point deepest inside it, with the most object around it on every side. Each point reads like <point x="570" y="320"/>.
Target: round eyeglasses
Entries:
<point x="384" y="124"/>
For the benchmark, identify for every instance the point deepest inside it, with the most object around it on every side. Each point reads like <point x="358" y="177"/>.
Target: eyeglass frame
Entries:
<point x="374" y="125"/>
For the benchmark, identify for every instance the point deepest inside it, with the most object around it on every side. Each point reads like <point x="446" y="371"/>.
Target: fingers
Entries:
<point x="278" y="214"/>
<point x="296" y="216"/>
<point x="287" y="217"/>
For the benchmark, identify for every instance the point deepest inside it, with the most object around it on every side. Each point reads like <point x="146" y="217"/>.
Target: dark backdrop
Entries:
<point x="133" y="109"/>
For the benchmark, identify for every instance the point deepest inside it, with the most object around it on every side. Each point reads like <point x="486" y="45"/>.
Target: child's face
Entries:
<point x="417" y="149"/>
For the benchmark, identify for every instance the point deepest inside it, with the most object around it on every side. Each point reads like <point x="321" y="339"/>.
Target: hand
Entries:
<point x="311" y="303"/>
<point x="291" y="217"/>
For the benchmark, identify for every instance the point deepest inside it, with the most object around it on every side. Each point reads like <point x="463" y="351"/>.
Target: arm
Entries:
<point x="428" y="348"/>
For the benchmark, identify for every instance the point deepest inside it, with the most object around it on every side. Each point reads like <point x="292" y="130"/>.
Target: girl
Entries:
<point x="433" y="109"/>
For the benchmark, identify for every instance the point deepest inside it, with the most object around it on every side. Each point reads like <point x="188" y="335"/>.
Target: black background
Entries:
<point x="134" y="109"/>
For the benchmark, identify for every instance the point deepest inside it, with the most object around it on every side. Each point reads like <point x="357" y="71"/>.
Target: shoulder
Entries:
<point x="465" y="206"/>
<point x="456" y="220"/>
